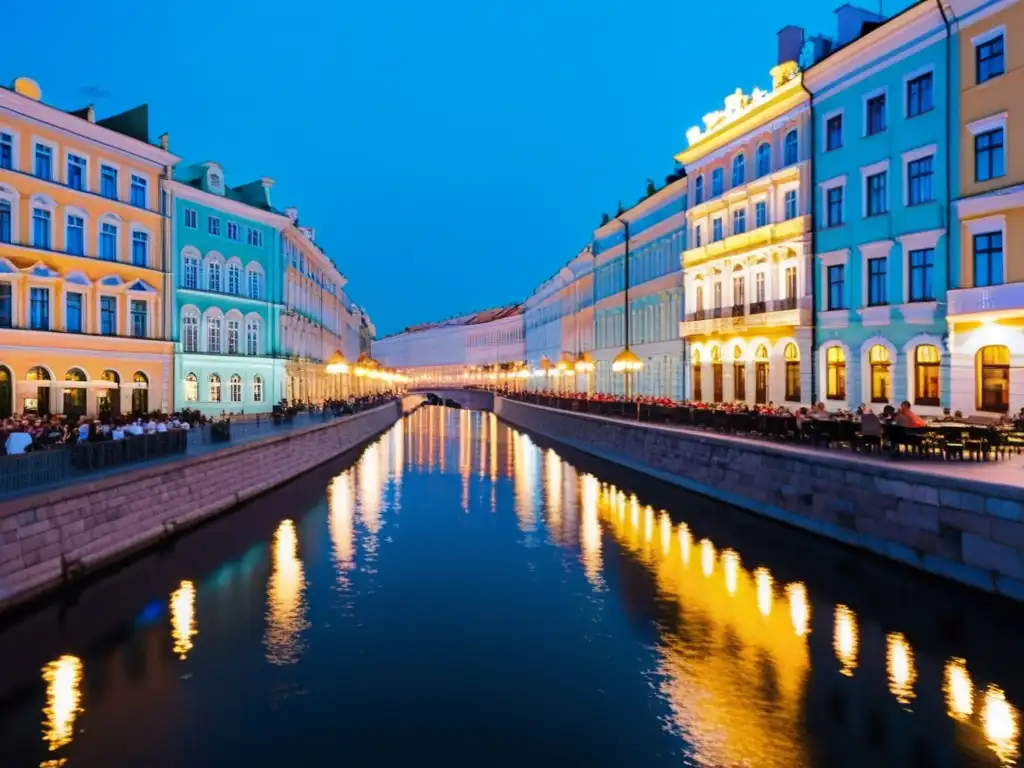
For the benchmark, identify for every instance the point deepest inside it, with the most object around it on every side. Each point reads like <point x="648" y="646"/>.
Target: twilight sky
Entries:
<point x="451" y="154"/>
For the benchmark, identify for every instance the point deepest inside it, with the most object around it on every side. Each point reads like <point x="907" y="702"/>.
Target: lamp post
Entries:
<point x="585" y="365"/>
<point x="566" y="366"/>
<point x="626" y="362"/>
<point x="545" y="367"/>
<point x="337" y="365"/>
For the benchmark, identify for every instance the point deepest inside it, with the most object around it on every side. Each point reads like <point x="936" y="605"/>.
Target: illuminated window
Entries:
<point x="994" y="379"/>
<point x="698" y="394"/>
<point x="792" y="357"/>
<point x="214" y="388"/>
<point x="835" y="385"/>
<point x="191" y="388"/>
<point x="926" y="375"/>
<point x="739" y="375"/>
<point x="761" y="374"/>
<point x="881" y="374"/>
<point x="716" y="374"/>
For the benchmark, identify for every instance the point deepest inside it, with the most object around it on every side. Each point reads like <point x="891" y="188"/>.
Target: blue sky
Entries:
<point x="451" y="155"/>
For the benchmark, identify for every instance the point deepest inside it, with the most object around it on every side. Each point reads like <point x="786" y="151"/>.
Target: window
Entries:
<point x="5" y="221"/>
<point x="790" y="204"/>
<point x="716" y="375"/>
<point x="717" y="182"/>
<point x="989" y="155"/>
<point x="234" y="278"/>
<point x="213" y="335"/>
<point x="191" y="218"/>
<point x="213" y="225"/>
<point x="834" y="133"/>
<point x="990" y="59"/>
<point x="876" y="202"/>
<point x="760" y="213"/>
<point x="213" y="276"/>
<point x="108" y="242"/>
<point x="139" y="314"/>
<point x="44" y="162"/>
<point x="138" y="191"/>
<point x="76" y="172"/>
<point x="919" y="181"/>
<point x="191" y="388"/>
<point x="792" y="357"/>
<point x="41" y="228"/>
<point x="875" y="116"/>
<point x="232" y="230"/>
<point x="190" y="333"/>
<point x="697" y="236"/>
<point x="257" y="389"/>
<point x="994" y="379"/>
<point x="837" y="287"/>
<point x="254" y="237"/>
<point x="140" y="248"/>
<point x="6" y="306"/>
<point x="108" y="315"/>
<point x="739" y="170"/>
<point x="255" y="284"/>
<point x="739" y="291"/>
<point x="698" y="298"/>
<point x="214" y="388"/>
<point x="235" y="388"/>
<point x="698" y="393"/>
<point x="108" y="182"/>
<point x="764" y="160"/>
<point x="877" y="282"/>
<point x="698" y="190"/>
<point x="759" y="288"/>
<point x="790" y="276"/>
<point x="233" y="328"/>
<point x="926" y="375"/>
<point x="835" y="384"/>
<point x="39" y="309"/>
<point x="191" y="272"/>
<point x="6" y="151"/>
<point x="919" y="95"/>
<point x="988" y="259"/>
<point x="739" y="222"/>
<point x="75" y="240"/>
<point x="834" y="207"/>
<point x="790" y="148"/>
<point x="739" y="376"/>
<point x="716" y="229"/>
<point x="252" y="337"/>
<point x="920" y="267"/>
<point x="881" y="374"/>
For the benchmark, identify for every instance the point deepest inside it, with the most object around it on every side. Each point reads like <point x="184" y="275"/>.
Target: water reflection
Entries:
<point x="341" y="525"/>
<point x="959" y="690"/>
<point x="183" y="618"/>
<point x="63" y="679"/>
<point x="286" y="609"/>
<point x="845" y="641"/>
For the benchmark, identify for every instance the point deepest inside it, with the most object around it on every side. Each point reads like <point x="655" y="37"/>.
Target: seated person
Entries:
<point x="906" y="417"/>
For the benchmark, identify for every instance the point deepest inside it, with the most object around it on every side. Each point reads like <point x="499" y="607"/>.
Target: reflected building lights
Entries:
<point x="648" y="526"/>
<point x="553" y="486"/>
<point x="492" y="422"/>
<point x="731" y="566"/>
<point x="959" y="690"/>
<point x="371" y="485"/>
<point x="286" y="609"/>
<point x="685" y="542"/>
<point x="899" y="665"/>
<point x="845" y="641"/>
<point x="183" y="618"/>
<point x="341" y="524"/>
<point x="1000" y="722"/>
<point x="799" y="608"/>
<point x="707" y="557"/>
<point x="63" y="679"/>
<point x="590" y="534"/>
<point x="666" y="533"/>
<point x="763" y="580"/>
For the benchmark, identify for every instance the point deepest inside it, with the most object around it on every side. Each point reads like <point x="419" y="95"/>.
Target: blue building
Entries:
<point x="881" y="181"/>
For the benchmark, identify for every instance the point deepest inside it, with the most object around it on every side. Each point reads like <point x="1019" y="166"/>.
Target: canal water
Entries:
<point x="460" y="594"/>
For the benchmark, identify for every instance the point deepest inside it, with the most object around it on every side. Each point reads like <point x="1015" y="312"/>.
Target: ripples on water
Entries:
<point x="745" y="668"/>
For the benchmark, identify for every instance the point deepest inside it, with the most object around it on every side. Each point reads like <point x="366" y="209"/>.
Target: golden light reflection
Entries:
<point x="685" y="543"/>
<point x="590" y="533"/>
<point x="763" y="580"/>
<point x="666" y="533"/>
<point x="648" y="525"/>
<point x="553" y="486"/>
<point x="492" y="422"/>
<point x="286" y="610"/>
<point x="707" y="557"/>
<point x="731" y="564"/>
<point x="465" y="456"/>
<point x="341" y="523"/>
<point x="959" y="690"/>
<point x="1000" y="722"/>
<point x="371" y="485"/>
<point x="899" y="665"/>
<point x="525" y="482"/>
<point x="483" y="445"/>
<point x="799" y="608"/>
<point x="845" y="641"/>
<point x="63" y="679"/>
<point x="183" y="618"/>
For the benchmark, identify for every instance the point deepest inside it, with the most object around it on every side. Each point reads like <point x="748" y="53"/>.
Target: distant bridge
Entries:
<point x="473" y="399"/>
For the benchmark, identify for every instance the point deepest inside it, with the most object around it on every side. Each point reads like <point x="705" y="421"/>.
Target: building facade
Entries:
<point x="986" y="304"/>
<point x="747" y="268"/>
<point x="881" y="175"/>
<point x="227" y="298"/>
<point x="82" y="260"/>
<point x="657" y="238"/>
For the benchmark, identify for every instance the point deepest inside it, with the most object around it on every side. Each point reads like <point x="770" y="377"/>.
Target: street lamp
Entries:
<point x="337" y="365"/>
<point x="545" y="370"/>
<point x="565" y="367"/>
<point x="626" y="362"/>
<point x="585" y="365"/>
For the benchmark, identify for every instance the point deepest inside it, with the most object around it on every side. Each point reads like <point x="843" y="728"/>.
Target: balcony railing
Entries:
<point x="758" y="307"/>
<point x="783" y="305"/>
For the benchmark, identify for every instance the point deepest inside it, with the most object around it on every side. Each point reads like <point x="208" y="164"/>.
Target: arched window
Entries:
<point x="739" y="170"/>
<point x="235" y="388"/>
<point x="791" y="354"/>
<point x="74" y="397"/>
<point x="698" y="393"/>
<point x="255" y="280"/>
<point x="190" y="271"/>
<point x="698" y="190"/>
<point x="881" y="374"/>
<point x="213" y="335"/>
<point x="214" y="388"/>
<point x="41" y="403"/>
<point x="764" y="159"/>
<point x="926" y="375"/>
<point x="761" y="374"/>
<point x="109" y="400"/>
<point x="213" y="271"/>
<point x="739" y="374"/>
<point x="252" y="337"/>
<point x="257" y="389"/>
<point x="190" y="331"/>
<point x="234" y="279"/>
<point x="6" y="392"/>
<point x="191" y="388"/>
<point x="140" y="393"/>
<point x="994" y="379"/>
<point x="790" y="147"/>
<point x="699" y="298"/>
<point x="716" y="373"/>
<point x="835" y="384"/>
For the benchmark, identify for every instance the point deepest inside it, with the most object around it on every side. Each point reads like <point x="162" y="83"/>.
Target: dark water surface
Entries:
<point x="462" y="596"/>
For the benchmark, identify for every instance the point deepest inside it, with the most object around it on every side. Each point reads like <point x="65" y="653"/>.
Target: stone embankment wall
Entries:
<point x="965" y="530"/>
<point x="50" y="537"/>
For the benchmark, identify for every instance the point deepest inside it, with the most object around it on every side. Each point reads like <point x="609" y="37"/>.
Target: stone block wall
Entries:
<point x="969" y="531"/>
<point x="49" y="537"/>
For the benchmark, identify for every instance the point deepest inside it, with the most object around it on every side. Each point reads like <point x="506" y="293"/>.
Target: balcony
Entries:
<point x="989" y="300"/>
<point x="758" y="314"/>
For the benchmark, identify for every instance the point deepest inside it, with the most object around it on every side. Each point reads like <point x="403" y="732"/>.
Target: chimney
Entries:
<point x="851" y="20"/>
<point x="293" y="214"/>
<point x="790" y="43"/>
<point x="165" y="142"/>
<point x="90" y="113"/>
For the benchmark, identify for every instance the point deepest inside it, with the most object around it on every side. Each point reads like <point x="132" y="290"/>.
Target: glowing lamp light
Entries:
<point x="627" y="362"/>
<point x="360" y="371"/>
<point x="584" y="363"/>
<point x="337" y="364"/>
